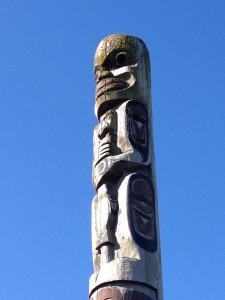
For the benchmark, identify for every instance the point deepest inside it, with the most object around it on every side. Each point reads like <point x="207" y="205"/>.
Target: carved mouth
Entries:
<point x="109" y="85"/>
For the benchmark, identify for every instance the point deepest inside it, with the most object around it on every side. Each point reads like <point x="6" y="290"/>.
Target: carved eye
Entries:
<point x="122" y="59"/>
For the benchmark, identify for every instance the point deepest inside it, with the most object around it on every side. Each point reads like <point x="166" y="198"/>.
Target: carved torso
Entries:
<point x="121" y="141"/>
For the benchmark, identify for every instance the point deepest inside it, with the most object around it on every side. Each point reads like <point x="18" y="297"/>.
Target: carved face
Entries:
<point x="121" y="72"/>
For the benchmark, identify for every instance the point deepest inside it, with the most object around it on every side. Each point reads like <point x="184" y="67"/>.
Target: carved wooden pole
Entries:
<point x="125" y="229"/>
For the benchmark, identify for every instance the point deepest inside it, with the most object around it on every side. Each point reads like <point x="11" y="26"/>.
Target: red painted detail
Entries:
<point x="109" y="294"/>
<point x="113" y="293"/>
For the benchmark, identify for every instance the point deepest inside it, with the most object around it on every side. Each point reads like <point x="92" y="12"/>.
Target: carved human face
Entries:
<point x="121" y="69"/>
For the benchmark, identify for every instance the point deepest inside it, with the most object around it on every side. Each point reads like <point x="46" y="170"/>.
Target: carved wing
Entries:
<point x="137" y="125"/>
<point x="142" y="219"/>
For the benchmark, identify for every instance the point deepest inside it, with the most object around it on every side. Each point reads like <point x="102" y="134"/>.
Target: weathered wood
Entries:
<point x="125" y="228"/>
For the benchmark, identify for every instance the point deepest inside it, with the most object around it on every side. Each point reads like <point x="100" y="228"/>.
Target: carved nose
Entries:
<point x="105" y="74"/>
<point x="102" y="74"/>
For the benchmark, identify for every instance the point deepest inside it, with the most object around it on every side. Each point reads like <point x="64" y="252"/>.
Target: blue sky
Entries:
<point x="46" y="123"/>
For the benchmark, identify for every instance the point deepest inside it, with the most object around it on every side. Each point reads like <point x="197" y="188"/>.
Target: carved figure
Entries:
<point x="125" y="237"/>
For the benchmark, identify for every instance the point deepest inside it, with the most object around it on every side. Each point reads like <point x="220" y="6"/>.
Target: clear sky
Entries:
<point x="46" y="124"/>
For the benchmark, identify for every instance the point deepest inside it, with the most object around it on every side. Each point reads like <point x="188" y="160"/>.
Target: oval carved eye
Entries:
<point x="121" y="59"/>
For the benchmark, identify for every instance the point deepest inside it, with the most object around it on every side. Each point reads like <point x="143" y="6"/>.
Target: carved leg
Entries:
<point x="104" y="219"/>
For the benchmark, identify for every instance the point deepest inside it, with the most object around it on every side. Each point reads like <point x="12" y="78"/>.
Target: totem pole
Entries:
<point x="125" y="229"/>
